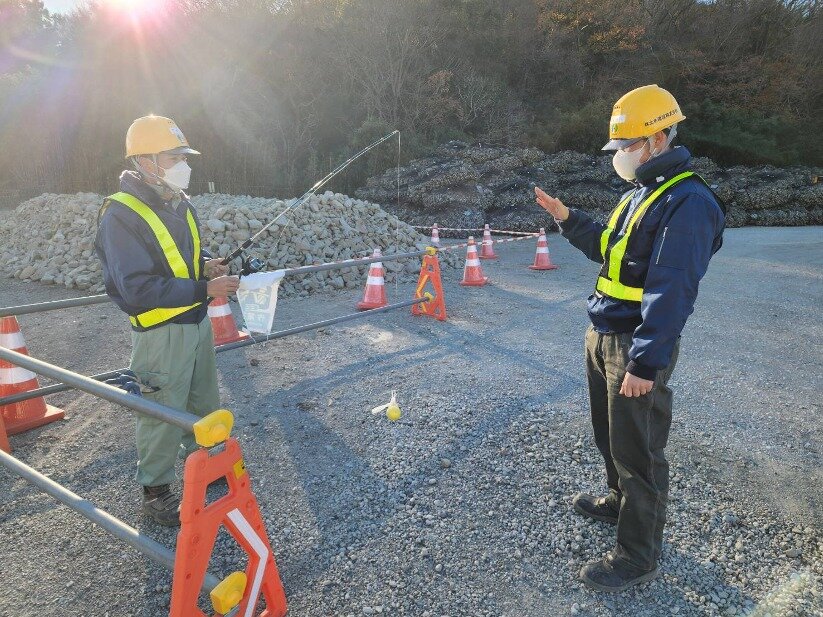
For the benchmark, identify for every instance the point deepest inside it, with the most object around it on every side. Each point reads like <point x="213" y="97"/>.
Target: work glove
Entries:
<point x="126" y="381"/>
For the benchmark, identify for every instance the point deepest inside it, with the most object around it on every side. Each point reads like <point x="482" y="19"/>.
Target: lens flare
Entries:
<point x="136" y="11"/>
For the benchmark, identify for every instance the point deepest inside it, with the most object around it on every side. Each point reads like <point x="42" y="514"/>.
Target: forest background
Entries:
<point x="275" y="93"/>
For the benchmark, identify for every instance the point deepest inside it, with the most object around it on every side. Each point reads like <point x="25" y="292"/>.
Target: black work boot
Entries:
<point x="614" y="575"/>
<point x="161" y="505"/>
<point x="599" y="508"/>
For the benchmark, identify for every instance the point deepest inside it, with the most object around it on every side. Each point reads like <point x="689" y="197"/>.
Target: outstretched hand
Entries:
<point x="551" y="204"/>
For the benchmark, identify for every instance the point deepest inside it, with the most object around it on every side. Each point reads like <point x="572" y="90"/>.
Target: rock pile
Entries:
<point x="467" y="186"/>
<point x="51" y="238"/>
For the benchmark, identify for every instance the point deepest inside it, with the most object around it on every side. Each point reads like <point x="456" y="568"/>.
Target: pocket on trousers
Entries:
<point x="589" y="333"/>
<point x="625" y="340"/>
<point x="153" y="380"/>
<point x="151" y="357"/>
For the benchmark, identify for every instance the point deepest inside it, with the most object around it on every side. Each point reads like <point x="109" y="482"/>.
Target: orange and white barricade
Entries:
<point x="200" y="521"/>
<point x="430" y="279"/>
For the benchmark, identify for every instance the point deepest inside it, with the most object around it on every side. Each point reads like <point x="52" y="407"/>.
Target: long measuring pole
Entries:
<point x="305" y="196"/>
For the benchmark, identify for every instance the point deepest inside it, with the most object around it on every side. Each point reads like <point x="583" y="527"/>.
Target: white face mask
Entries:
<point x="626" y="163"/>
<point x="178" y="176"/>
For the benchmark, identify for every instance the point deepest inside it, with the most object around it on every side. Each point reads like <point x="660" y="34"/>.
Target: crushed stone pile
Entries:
<point x="463" y="185"/>
<point x="50" y="238"/>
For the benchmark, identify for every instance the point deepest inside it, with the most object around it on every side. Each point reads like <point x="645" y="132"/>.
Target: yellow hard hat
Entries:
<point x="156" y="134"/>
<point x="640" y="113"/>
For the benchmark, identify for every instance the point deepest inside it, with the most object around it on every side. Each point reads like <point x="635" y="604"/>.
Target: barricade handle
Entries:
<point x="214" y="428"/>
<point x="228" y="593"/>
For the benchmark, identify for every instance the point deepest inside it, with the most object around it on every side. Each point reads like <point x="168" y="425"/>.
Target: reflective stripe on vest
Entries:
<point x="613" y="247"/>
<point x="604" y="237"/>
<point x="178" y="265"/>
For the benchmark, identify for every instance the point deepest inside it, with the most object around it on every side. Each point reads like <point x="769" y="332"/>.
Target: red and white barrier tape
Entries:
<point x="390" y="257"/>
<point x="366" y="255"/>
<point x="512" y="233"/>
<point x="449" y="228"/>
<point x="480" y="242"/>
<point x="494" y="231"/>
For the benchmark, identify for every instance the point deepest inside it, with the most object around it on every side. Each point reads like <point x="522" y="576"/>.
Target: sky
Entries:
<point x="60" y="6"/>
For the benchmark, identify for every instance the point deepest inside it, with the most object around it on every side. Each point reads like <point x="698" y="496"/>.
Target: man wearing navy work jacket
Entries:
<point x="654" y="250"/>
<point x="155" y="270"/>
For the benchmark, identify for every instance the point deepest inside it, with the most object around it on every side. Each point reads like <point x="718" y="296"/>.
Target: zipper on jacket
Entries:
<point x="662" y="242"/>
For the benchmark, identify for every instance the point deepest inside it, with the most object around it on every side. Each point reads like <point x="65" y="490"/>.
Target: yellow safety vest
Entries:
<point x="613" y="245"/>
<point x="178" y="265"/>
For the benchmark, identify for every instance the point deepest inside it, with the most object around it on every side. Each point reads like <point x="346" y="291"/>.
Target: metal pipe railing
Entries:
<point x="320" y="324"/>
<point x="40" y="307"/>
<point x="53" y="389"/>
<point x="62" y="387"/>
<point x="182" y="419"/>
<point x="147" y="546"/>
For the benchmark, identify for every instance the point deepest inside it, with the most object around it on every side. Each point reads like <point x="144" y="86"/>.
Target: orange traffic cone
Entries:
<point x="222" y="323"/>
<point x="5" y="446"/>
<point x="487" y="248"/>
<point x="542" y="261"/>
<point x="375" y="294"/>
<point x="435" y="236"/>
<point x="472" y="272"/>
<point x="25" y="415"/>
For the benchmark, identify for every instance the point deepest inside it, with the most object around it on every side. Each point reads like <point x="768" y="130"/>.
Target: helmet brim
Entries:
<point x="181" y="150"/>
<point x="619" y="144"/>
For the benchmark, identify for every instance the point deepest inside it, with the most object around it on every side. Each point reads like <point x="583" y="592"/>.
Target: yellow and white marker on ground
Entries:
<point x="392" y="408"/>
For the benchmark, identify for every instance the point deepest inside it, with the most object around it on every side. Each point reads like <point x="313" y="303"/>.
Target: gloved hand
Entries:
<point x="126" y="381"/>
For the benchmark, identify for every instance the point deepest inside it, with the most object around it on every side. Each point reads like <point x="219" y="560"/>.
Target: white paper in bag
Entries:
<point x="257" y="295"/>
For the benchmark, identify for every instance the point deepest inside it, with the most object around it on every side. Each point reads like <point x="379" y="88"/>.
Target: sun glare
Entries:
<point x="135" y="10"/>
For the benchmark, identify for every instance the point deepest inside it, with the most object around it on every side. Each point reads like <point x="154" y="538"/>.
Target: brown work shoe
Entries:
<point x="598" y="508"/>
<point x="161" y="505"/>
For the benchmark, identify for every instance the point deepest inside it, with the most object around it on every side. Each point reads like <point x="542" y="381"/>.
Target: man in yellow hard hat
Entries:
<point x="155" y="270"/>
<point x="654" y="250"/>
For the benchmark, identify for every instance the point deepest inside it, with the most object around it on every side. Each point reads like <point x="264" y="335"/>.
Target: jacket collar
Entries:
<point x="131" y="182"/>
<point x="662" y="167"/>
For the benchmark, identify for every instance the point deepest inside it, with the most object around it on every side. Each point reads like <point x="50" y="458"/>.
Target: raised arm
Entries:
<point x="582" y="231"/>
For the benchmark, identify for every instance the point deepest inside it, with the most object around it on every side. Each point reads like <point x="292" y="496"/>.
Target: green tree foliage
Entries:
<point x="736" y="136"/>
<point x="277" y="92"/>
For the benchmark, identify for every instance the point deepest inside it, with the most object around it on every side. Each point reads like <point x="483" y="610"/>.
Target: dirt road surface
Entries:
<point x="463" y="506"/>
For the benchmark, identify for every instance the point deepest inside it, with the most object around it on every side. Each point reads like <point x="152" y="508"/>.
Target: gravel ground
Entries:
<point x="462" y="507"/>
